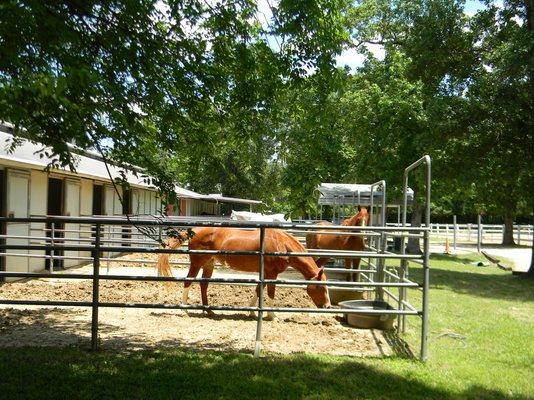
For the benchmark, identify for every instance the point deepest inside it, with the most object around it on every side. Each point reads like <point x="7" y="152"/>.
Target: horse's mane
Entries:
<point x="298" y="246"/>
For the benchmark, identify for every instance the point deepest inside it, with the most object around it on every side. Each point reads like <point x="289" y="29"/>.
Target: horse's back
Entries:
<point x="313" y="239"/>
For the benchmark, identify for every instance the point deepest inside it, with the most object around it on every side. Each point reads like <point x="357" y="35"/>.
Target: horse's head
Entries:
<point x="319" y="293"/>
<point x="177" y="236"/>
<point x="362" y="218"/>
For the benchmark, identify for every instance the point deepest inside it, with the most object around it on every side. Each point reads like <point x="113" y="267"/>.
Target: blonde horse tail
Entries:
<point x="163" y="266"/>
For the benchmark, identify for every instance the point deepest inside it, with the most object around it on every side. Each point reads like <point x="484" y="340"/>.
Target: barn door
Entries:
<point x="72" y="209"/>
<point x="18" y="189"/>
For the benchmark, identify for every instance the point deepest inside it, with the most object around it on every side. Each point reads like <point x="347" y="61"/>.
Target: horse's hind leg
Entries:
<point x="270" y="301"/>
<point x="207" y="271"/>
<point x="254" y="301"/>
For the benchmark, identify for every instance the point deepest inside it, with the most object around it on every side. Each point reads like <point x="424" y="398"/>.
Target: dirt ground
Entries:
<point x="141" y="328"/>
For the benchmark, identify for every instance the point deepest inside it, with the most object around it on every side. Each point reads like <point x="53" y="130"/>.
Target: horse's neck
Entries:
<point x="306" y="266"/>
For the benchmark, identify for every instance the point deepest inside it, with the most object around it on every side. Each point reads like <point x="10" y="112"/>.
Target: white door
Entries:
<point x="72" y="209"/>
<point x="18" y="184"/>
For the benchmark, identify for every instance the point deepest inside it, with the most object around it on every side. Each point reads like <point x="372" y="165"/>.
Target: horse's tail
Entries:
<point x="163" y="266"/>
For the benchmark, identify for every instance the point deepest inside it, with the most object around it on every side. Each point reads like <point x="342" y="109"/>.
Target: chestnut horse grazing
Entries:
<point x="340" y="242"/>
<point x="232" y="239"/>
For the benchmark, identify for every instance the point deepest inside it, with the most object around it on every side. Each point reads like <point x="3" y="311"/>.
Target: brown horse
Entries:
<point x="340" y="242"/>
<point x="232" y="239"/>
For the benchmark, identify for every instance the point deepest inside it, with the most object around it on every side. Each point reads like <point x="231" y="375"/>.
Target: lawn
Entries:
<point x="481" y="346"/>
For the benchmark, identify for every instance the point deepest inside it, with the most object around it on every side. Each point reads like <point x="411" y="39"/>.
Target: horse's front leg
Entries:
<point x="348" y="265"/>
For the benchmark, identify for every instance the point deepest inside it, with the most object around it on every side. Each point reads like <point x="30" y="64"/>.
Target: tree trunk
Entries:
<point x="417" y="214"/>
<point x="508" y="235"/>
<point x="530" y="272"/>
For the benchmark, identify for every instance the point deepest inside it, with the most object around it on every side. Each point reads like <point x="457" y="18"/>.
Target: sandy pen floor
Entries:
<point x="140" y="328"/>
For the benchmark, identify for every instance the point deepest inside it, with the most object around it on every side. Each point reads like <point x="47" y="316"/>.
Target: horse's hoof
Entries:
<point x="270" y="317"/>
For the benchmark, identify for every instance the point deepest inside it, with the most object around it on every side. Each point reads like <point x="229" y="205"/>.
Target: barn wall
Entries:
<point x="17" y="205"/>
<point x="27" y="195"/>
<point x="86" y="209"/>
<point x="72" y="209"/>
<point x="38" y="204"/>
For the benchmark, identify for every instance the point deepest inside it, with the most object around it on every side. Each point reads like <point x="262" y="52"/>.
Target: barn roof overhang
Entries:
<point x="90" y="164"/>
<point x="31" y="155"/>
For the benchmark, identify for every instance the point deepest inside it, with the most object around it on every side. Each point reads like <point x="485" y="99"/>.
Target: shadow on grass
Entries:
<point x="399" y="346"/>
<point x="70" y="373"/>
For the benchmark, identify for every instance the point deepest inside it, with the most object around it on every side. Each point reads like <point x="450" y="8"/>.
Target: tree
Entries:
<point x="156" y="83"/>
<point x="501" y="132"/>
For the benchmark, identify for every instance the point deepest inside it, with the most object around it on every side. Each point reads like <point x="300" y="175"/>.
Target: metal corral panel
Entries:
<point x="338" y="194"/>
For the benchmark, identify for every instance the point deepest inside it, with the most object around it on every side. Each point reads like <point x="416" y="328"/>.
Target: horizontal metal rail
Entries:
<point x="346" y="254"/>
<point x="56" y="303"/>
<point x="216" y="224"/>
<point x="80" y="258"/>
<point x="289" y="282"/>
<point x="334" y="233"/>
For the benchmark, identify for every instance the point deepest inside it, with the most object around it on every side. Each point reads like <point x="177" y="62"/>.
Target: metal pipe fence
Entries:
<point x="98" y="245"/>
<point x="143" y="235"/>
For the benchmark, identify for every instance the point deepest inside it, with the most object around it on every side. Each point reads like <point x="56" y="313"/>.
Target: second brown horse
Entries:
<point x="340" y="242"/>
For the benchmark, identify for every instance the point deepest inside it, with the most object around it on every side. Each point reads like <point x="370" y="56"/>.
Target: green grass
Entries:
<point x="481" y="346"/>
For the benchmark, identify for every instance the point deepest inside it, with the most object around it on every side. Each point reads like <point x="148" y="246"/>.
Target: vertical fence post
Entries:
<point x="518" y="234"/>
<point x="257" y="349"/>
<point x="96" y="282"/>
<point x="479" y="233"/>
<point x="504" y="230"/>
<point x="52" y="243"/>
<point x="455" y="231"/>
<point x="426" y="277"/>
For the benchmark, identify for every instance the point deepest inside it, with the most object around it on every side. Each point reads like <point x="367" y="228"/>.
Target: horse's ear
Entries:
<point x="359" y="208"/>
<point x="320" y="274"/>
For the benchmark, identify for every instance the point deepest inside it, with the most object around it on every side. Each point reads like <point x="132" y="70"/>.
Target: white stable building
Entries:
<point x="26" y="190"/>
